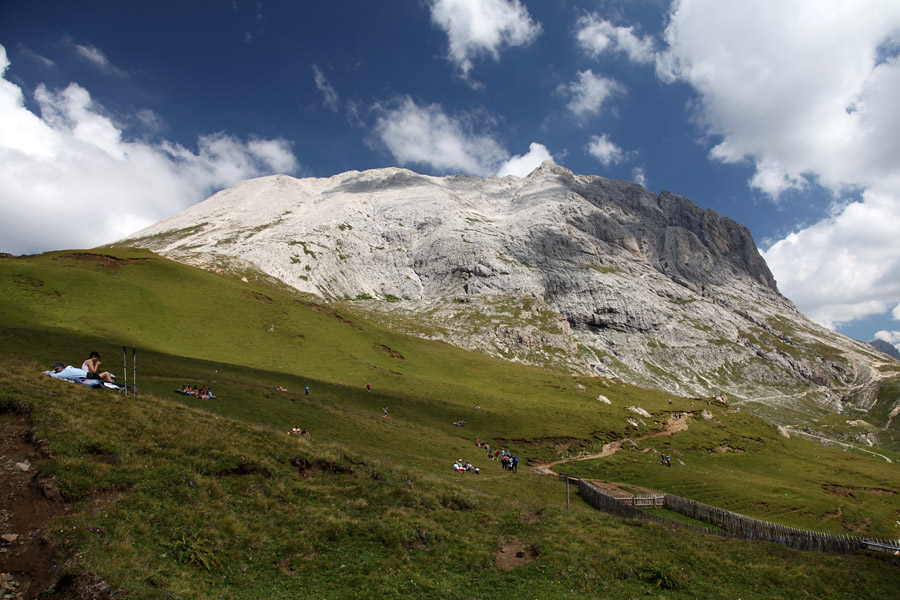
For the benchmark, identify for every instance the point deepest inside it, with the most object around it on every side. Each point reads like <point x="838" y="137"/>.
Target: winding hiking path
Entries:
<point x="672" y="426"/>
<point x="793" y="430"/>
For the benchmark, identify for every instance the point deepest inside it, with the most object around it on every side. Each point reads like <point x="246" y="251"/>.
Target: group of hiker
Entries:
<point x="507" y="461"/>
<point x="462" y="467"/>
<point x="202" y="392"/>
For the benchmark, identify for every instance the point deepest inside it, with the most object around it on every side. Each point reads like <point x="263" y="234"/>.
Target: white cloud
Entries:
<point x="31" y="54"/>
<point x="845" y="267"/>
<point x="895" y="314"/>
<point x="638" y="176"/>
<point x="589" y="93"/>
<point x="601" y="148"/>
<point x="70" y="178"/>
<point x="330" y="96"/>
<point x="479" y="27"/>
<point x="807" y="93"/>
<point x="525" y="164"/>
<point x="596" y="36"/>
<point x="891" y="337"/>
<point x="426" y="135"/>
<point x="98" y="58"/>
<point x="797" y="90"/>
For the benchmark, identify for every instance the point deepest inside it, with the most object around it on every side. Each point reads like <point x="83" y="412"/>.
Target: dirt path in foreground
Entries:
<point x="672" y="426"/>
<point x="27" y="505"/>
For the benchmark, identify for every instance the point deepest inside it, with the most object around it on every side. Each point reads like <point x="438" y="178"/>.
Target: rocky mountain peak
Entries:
<point x="570" y="271"/>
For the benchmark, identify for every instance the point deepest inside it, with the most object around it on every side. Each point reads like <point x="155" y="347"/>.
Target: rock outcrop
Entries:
<point x="886" y="348"/>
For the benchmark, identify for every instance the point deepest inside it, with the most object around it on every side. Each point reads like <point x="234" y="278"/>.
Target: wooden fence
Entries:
<point x="731" y="524"/>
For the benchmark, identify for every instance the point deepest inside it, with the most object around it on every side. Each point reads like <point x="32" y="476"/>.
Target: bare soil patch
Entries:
<point x="28" y="503"/>
<point x="727" y="448"/>
<point x="258" y="296"/>
<point x="103" y="260"/>
<point x="513" y="554"/>
<point x="851" y="490"/>
<point x="387" y="350"/>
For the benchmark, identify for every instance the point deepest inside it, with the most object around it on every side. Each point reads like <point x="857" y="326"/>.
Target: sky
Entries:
<point x="781" y="115"/>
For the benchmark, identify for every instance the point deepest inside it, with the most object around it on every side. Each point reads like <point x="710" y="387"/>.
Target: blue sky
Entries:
<point x="779" y="115"/>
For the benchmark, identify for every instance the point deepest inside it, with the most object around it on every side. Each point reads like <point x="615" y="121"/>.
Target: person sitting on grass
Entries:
<point x="92" y="365"/>
<point x="61" y="371"/>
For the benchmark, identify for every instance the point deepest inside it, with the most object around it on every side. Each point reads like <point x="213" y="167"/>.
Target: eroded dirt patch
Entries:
<point x="27" y="505"/>
<point x="727" y="448"/>
<point x="851" y="490"/>
<point x="258" y="296"/>
<point x="104" y="260"/>
<point x="387" y="350"/>
<point x="513" y="554"/>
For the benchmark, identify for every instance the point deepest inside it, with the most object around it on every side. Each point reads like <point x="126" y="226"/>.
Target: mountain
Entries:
<point x="886" y="348"/>
<point x="572" y="272"/>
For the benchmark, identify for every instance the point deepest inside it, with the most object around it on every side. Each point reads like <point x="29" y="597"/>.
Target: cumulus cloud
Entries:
<point x="330" y="97"/>
<point x="525" y="164"/>
<point x="604" y="150"/>
<point x="426" y="135"/>
<point x="482" y="27"/>
<point x="596" y="36"/>
<point x="891" y="337"/>
<point x="808" y="97"/>
<point x="800" y="93"/>
<point x="71" y="178"/>
<point x="845" y="267"/>
<point x="589" y="92"/>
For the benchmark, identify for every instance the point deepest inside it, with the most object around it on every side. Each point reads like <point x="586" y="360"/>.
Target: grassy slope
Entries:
<point x="401" y="522"/>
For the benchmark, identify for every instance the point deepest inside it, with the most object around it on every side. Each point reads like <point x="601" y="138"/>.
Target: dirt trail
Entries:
<point x="672" y="426"/>
<point x="27" y="505"/>
<point x="794" y="431"/>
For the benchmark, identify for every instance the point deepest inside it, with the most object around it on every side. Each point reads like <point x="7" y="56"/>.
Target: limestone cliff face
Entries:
<point x="576" y="272"/>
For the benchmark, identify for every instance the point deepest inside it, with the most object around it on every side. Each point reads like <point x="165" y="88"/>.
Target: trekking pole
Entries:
<point x="134" y="369"/>
<point x="125" y="369"/>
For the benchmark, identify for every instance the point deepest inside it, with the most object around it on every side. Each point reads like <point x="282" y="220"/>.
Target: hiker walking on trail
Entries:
<point x="307" y="390"/>
<point x="515" y="464"/>
<point x="368" y="387"/>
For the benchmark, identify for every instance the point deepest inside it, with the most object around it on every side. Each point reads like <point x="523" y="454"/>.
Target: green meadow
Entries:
<point x="177" y="497"/>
